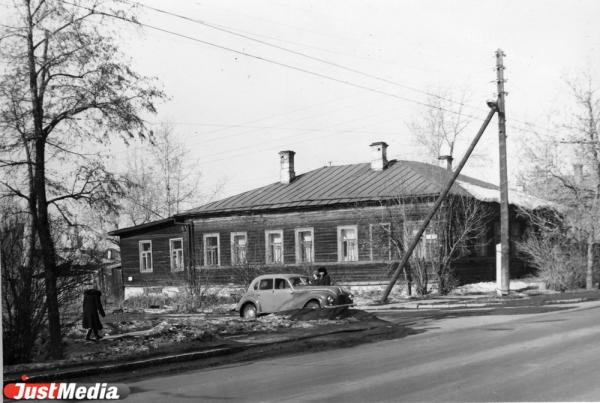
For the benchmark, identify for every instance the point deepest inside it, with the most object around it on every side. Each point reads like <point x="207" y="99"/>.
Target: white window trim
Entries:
<point x="297" y="243"/>
<point x="174" y="269"/>
<point x="140" y="243"/>
<point x="232" y="237"/>
<point x="267" y="233"/>
<point x="212" y="235"/>
<point x="421" y="248"/>
<point x="389" y="235"/>
<point x="339" y="242"/>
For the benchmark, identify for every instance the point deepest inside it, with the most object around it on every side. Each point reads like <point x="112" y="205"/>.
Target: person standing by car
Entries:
<point x="324" y="278"/>
<point x="315" y="278"/>
<point x="91" y="307"/>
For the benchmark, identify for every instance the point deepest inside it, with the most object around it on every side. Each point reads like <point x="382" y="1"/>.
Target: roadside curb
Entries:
<point x="79" y="372"/>
<point x="425" y="306"/>
<point x="460" y="305"/>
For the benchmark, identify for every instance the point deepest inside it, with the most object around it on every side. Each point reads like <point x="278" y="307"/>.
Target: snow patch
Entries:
<point x="489" y="287"/>
<point x="515" y="197"/>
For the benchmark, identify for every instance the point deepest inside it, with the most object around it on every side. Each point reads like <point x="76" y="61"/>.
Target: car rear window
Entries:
<point x="266" y="284"/>
<point x="281" y="283"/>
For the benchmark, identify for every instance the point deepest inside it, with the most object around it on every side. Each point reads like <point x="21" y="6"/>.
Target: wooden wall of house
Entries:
<point x="371" y="267"/>
<point x="161" y="273"/>
<point x="324" y="223"/>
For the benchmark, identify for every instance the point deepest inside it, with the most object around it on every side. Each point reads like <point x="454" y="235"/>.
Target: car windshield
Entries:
<point x="298" y="281"/>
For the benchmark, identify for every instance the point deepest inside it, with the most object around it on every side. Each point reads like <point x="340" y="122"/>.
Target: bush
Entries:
<point x="560" y="262"/>
<point x="184" y="301"/>
<point x="147" y="300"/>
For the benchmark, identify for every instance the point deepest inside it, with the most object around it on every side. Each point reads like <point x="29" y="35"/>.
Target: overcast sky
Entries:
<point x="236" y="112"/>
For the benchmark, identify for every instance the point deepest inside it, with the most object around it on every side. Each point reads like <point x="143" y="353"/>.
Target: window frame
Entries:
<point x="204" y="249"/>
<point x="340" y="228"/>
<point x="171" y="249"/>
<point x="267" y="246"/>
<point x="232" y="238"/>
<point x="389" y="238"/>
<point x="428" y="239"/>
<point x="297" y="232"/>
<point x="142" y="252"/>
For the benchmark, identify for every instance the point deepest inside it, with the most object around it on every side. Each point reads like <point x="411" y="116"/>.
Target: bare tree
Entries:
<point x="567" y="170"/>
<point x="440" y="128"/>
<point x="64" y="84"/>
<point x="164" y="179"/>
<point x="550" y="247"/>
<point x="456" y="231"/>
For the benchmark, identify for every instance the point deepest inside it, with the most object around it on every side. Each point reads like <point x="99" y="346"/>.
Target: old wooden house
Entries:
<point x="334" y="216"/>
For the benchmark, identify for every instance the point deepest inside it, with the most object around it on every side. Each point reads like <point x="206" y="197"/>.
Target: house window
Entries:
<point x="305" y="250"/>
<point x="145" y="256"/>
<point x="480" y="248"/>
<point x="380" y="237"/>
<point x="274" y="246"/>
<point x="239" y="242"/>
<point x="211" y="250"/>
<point x="428" y="246"/>
<point x="176" y="254"/>
<point x="348" y="243"/>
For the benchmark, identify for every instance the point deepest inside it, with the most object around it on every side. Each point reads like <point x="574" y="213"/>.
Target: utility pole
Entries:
<point x="417" y="237"/>
<point x="504" y="269"/>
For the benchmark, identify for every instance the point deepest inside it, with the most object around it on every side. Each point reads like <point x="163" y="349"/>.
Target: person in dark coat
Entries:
<point x="324" y="278"/>
<point x="91" y="307"/>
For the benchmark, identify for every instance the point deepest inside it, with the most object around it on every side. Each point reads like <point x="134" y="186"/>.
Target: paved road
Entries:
<point x="543" y="357"/>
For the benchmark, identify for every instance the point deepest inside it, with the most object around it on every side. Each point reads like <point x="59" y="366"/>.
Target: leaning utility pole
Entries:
<point x="504" y="269"/>
<point x="417" y="237"/>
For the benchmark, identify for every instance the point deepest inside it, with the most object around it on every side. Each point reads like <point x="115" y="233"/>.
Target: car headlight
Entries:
<point x="330" y="300"/>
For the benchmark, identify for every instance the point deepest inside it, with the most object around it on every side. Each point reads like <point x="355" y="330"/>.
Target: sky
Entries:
<point x="235" y="112"/>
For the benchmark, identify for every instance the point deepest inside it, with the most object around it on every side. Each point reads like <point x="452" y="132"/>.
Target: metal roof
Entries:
<point x="348" y="184"/>
<point x="341" y="185"/>
<point x="151" y="224"/>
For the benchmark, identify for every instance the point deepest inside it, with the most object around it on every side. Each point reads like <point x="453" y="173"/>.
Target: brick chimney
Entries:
<point x="448" y="159"/>
<point x="379" y="156"/>
<point x="286" y="159"/>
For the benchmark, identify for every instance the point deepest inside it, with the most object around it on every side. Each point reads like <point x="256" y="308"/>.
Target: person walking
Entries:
<point x="92" y="306"/>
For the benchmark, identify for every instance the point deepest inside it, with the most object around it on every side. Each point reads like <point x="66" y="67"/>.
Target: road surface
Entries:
<point x="536" y="357"/>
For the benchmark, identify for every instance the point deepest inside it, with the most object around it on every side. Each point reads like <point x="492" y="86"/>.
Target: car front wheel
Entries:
<point x="312" y="304"/>
<point x="249" y="311"/>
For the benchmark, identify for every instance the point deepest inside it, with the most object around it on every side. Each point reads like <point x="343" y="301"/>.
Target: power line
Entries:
<point x="292" y="67"/>
<point x="272" y="61"/>
<point x="234" y="31"/>
<point x="252" y="128"/>
<point x="328" y="131"/>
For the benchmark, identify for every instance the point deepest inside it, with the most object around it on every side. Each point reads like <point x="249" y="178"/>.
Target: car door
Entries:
<point x="264" y="294"/>
<point x="282" y="295"/>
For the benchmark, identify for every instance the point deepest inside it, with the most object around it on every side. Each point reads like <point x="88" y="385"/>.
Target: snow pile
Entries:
<point x="515" y="197"/>
<point x="130" y="338"/>
<point x="371" y="294"/>
<point x="490" y="287"/>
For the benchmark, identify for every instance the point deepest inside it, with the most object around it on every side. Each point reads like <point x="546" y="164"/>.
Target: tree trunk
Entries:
<point x="48" y="251"/>
<point x="408" y="278"/>
<point x="25" y="303"/>
<point x="40" y="217"/>
<point x="589" y="273"/>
